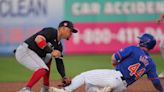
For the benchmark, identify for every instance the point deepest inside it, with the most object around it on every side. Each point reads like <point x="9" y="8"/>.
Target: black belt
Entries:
<point x="122" y="78"/>
<point x="124" y="81"/>
<point x="14" y="51"/>
<point x="21" y="44"/>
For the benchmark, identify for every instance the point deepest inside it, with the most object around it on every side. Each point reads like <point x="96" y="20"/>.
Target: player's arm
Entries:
<point x="42" y="44"/>
<point x="157" y="84"/>
<point x="114" y="61"/>
<point x="116" y="58"/>
<point x="120" y="55"/>
<point x="59" y="61"/>
<point x="60" y="67"/>
<point x="152" y="75"/>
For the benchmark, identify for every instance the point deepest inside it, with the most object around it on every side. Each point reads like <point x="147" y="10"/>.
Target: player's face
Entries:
<point x="67" y="33"/>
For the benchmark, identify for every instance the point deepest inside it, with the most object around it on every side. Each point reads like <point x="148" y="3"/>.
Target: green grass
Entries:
<point x="11" y="70"/>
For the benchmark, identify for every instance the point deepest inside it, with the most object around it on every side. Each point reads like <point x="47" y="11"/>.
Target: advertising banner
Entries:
<point x="113" y="10"/>
<point x="109" y="25"/>
<point x="19" y="19"/>
<point x="110" y="37"/>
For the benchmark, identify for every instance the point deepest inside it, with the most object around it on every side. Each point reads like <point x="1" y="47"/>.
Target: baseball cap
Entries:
<point x="147" y="40"/>
<point x="68" y="24"/>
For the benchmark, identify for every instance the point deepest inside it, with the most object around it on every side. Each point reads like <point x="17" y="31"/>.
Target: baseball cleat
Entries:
<point x="44" y="89"/>
<point x="25" y="89"/>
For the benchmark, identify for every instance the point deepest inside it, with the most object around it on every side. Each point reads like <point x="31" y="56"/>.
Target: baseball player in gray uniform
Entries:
<point x="36" y="53"/>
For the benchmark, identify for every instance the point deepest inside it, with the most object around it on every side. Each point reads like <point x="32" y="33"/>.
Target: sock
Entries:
<point x="47" y="75"/>
<point x="35" y="77"/>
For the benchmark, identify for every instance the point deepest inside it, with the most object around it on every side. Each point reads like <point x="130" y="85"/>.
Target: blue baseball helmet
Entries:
<point x="147" y="40"/>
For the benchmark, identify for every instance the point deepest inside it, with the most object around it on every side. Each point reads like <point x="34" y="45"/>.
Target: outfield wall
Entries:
<point x="108" y="25"/>
<point x="104" y="25"/>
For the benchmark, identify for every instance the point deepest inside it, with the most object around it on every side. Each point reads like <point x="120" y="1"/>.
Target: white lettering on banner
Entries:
<point x="16" y="8"/>
<point x="118" y="8"/>
<point x="85" y="8"/>
<point x="121" y="35"/>
<point x="105" y="35"/>
<point x="97" y="36"/>
<point x="133" y="7"/>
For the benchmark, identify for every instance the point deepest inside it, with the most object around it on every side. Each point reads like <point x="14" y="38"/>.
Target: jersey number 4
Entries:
<point x="134" y="70"/>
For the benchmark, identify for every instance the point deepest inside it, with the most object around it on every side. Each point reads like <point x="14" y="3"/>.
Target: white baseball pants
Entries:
<point x="30" y="59"/>
<point x="99" y="79"/>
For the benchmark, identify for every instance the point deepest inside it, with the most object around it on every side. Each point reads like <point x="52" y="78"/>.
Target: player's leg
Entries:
<point x="106" y="80"/>
<point x="92" y="88"/>
<point x="77" y="81"/>
<point x="89" y="78"/>
<point x="117" y="83"/>
<point x="101" y="79"/>
<point x="97" y="80"/>
<point x="29" y="58"/>
<point x="100" y="89"/>
<point x="93" y="77"/>
<point x="106" y="89"/>
<point x="32" y="61"/>
<point x="95" y="88"/>
<point x="46" y="77"/>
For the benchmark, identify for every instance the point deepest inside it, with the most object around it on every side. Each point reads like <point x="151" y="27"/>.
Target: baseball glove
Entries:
<point x="66" y="81"/>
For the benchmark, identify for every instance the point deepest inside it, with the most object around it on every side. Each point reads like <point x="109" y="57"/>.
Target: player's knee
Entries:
<point x="42" y="71"/>
<point x="45" y="70"/>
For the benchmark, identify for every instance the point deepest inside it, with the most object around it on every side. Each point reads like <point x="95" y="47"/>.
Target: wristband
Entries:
<point x="42" y="44"/>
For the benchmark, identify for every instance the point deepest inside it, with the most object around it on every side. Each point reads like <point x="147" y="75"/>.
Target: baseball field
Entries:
<point x="13" y="76"/>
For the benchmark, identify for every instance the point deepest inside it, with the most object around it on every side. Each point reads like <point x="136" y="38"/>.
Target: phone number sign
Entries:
<point x="108" y="37"/>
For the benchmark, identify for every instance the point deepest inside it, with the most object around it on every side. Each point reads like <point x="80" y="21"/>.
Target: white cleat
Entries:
<point x="44" y="89"/>
<point x="25" y="89"/>
<point x="53" y="89"/>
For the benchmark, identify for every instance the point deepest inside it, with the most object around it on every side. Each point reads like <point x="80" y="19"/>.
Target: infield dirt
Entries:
<point x="142" y="85"/>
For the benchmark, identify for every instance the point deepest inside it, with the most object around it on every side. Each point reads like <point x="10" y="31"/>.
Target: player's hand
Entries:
<point x="113" y="64"/>
<point x="66" y="81"/>
<point x="56" y="53"/>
